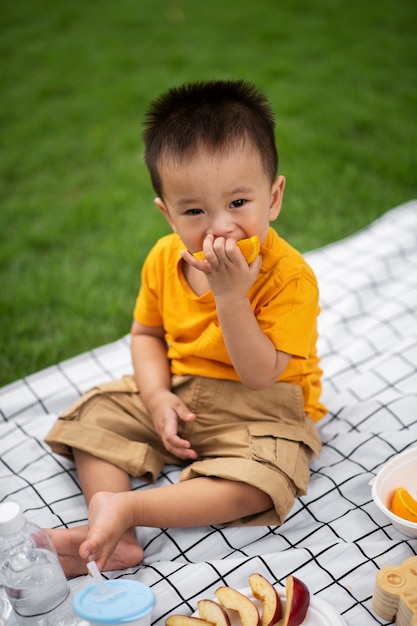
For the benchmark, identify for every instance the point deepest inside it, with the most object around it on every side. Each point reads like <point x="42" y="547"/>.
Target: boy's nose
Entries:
<point x="222" y="226"/>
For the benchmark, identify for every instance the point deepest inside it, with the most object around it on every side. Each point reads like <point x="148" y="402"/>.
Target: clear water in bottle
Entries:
<point x="31" y="574"/>
<point x="39" y="587"/>
<point x="5" y="607"/>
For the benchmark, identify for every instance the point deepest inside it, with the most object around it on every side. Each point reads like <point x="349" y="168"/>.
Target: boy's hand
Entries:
<point x="227" y="271"/>
<point x="166" y="411"/>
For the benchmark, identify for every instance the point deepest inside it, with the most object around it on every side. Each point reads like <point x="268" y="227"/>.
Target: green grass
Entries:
<point x="77" y="217"/>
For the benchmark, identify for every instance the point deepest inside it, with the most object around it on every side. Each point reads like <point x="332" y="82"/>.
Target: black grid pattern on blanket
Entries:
<point x="335" y="538"/>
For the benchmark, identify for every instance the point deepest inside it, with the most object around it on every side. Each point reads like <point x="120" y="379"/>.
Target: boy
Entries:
<point x="226" y="377"/>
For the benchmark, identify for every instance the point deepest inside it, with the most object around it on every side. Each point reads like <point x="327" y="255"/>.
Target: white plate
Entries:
<point x="319" y="613"/>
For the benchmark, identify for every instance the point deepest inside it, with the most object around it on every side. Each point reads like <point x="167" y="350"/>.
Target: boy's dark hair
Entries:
<point x="215" y="115"/>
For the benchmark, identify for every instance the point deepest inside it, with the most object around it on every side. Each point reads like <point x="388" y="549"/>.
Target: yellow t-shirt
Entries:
<point x="284" y="299"/>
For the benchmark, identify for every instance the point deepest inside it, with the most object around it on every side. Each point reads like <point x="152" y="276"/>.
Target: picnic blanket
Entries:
<point x="335" y="538"/>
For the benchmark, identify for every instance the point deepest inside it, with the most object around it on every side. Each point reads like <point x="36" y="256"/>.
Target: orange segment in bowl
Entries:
<point x="249" y="248"/>
<point x="404" y="505"/>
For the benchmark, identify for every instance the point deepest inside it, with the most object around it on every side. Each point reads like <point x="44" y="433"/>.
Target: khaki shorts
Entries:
<point x="262" y="438"/>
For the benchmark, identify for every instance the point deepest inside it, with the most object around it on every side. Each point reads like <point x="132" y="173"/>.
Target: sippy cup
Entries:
<point x="114" y="602"/>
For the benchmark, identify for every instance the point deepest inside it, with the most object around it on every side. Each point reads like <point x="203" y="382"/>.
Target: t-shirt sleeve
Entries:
<point x="147" y="307"/>
<point x="290" y="318"/>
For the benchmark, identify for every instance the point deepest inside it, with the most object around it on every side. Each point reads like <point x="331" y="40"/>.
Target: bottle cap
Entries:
<point x="124" y="602"/>
<point x="11" y="518"/>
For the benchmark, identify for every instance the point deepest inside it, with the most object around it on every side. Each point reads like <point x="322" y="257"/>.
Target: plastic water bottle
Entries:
<point x="5" y="607"/>
<point x="31" y="573"/>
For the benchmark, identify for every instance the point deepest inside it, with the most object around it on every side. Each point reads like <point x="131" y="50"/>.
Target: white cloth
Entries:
<point x="335" y="538"/>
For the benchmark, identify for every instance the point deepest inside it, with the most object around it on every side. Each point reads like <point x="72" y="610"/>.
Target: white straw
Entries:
<point x="99" y="579"/>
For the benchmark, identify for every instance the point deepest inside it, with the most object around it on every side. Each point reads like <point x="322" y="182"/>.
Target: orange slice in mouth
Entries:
<point x="404" y="505"/>
<point x="249" y="248"/>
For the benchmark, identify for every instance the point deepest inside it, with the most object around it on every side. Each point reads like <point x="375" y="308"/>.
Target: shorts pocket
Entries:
<point x="273" y="445"/>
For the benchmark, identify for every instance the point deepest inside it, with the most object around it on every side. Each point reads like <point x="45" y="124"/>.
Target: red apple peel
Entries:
<point x="297" y="602"/>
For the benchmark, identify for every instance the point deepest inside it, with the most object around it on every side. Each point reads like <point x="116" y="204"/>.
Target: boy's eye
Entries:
<point x="237" y="203"/>
<point x="194" y="212"/>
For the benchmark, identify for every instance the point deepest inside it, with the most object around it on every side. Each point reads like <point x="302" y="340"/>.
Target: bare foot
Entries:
<point x="110" y="517"/>
<point x="109" y="539"/>
<point x="67" y="542"/>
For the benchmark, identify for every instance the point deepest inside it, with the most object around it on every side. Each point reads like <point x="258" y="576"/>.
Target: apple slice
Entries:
<point x="297" y="603"/>
<point x="236" y="601"/>
<point x="271" y="604"/>
<point x="185" y="620"/>
<point x="213" y="613"/>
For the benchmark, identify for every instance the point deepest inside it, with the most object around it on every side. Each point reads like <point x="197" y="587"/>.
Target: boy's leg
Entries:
<point x="198" y="502"/>
<point x="98" y="475"/>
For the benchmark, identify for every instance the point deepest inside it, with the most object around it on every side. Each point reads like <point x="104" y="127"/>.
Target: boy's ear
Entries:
<point x="277" y="193"/>
<point x="163" y="208"/>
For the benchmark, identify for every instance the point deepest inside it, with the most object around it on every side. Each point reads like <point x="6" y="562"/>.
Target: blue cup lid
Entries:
<point x="126" y="601"/>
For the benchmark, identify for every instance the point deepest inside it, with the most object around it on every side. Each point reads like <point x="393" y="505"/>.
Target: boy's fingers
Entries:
<point x="186" y="416"/>
<point x="181" y="448"/>
<point x="199" y="264"/>
<point x="171" y="440"/>
<point x="184" y="413"/>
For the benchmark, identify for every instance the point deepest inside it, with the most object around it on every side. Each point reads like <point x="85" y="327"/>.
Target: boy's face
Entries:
<point x="226" y="194"/>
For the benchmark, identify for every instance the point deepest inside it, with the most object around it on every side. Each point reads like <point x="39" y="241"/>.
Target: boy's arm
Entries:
<point x="150" y="361"/>
<point x="256" y="360"/>
<point x="153" y="378"/>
